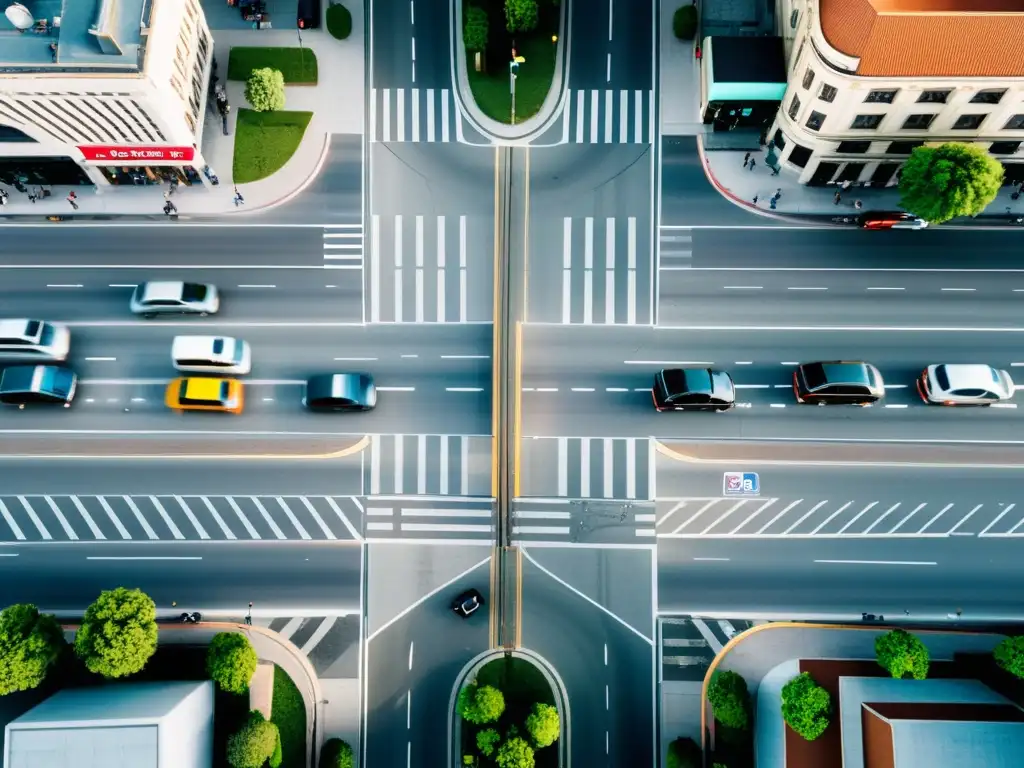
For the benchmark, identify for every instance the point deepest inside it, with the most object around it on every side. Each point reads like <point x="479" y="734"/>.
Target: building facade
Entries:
<point x="870" y="80"/>
<point x="103" y="91"/>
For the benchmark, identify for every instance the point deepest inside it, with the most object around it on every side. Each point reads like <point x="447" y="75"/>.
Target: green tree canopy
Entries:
<point x="118" y="633"/>
<point x="684" y="753"/>
<point x="474" y="34"/>
<point x="684" y="22"/>
<point x="902" y="655"/>
<point x="254" y="743"/>
<point x="941" y="183"/>
<point x="806" y="706"/>
<point x="30" y="643"/>
<point x="231" y="661"/>
<point x="515" y="753"/>
<point x="520" y="15"/>
<point x="1009" y="655"/>
<point x="264" y="89"/>
<point x="339" y="21"/>
<point x="487" y="741"/>
<point x="480" y="704"/>
<point x="543" y="725"/>
<point x="730" y="700"/>
<point x="336" y="753"/>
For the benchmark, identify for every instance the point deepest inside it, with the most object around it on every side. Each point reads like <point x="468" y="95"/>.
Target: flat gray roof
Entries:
<point x="120" y="704"/>
<point x="945" y="744"/>
<point x="117" y="747"/>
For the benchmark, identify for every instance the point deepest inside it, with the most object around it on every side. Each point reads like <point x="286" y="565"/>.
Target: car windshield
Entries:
<point x="941" y="378"/>
<point x="218" y="346"/>
<point x="239" y="351"/>
<point x="46" y="337"/>
<point x="193" y="292"/>
<point x="32" y="328"/>
<point x="56" y="380"/>
<point x="850" y="373"/>
<point x="814" y="375"/>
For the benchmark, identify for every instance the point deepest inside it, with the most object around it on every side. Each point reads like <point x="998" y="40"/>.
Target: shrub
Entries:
<point x="336" y="753"/>
<point x="1009" y="655"/>
<point x="480" y="704"/>
<point x="902" y="655"/>
<point x="515" y="753"/>
<point x="684" y="753"/>
<point x="684" y="22"/>
<point x="487" y="741"/>
<point x="276" y="756"/>
<point x="543" y="725"/>
<point x="118" y="633"/>
<point x="474" y="33"/>
<point x="231" y="661"/>
<point x="264" y="90"/>
<point x="254" y="743"/>
<point x="806" y="706"/>
<point x="30" y="643"/>
<point x="339" y="21"/>
<point x="941" y="183"/>
<point x="730" y="700"/>
<point x="520" y="15"/>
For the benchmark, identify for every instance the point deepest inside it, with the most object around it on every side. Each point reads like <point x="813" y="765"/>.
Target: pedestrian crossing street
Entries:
<point x="429" y="465"/>
<point x="343" y="246"/>
<point x="587" y="468"/>
<point x="675" y="248"/>
<point x="414" y="114"/>
<point x="420" y="270"/>
<point x="606" y="116"/>
<point x="689" y="644"/>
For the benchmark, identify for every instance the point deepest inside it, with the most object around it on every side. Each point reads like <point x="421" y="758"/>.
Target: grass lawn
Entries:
<point x="265" y="141"/>
<point x="288" y="712"/>
<point x="298" y="65"/>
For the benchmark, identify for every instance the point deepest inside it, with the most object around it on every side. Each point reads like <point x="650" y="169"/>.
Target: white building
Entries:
<point x="869" y="80"/>
<point x="122" y="725"/>
<point x="102" y="91"/>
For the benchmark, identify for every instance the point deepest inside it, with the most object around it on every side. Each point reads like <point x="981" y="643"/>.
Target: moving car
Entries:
<point x="23" y="385"/>
<point x="890" y="220"/>
<point x="175" y="298"/>
<point x="838" y="383"/>
<point x="211" y="354"/>
<point x="964" y="385"/>
<point x="23" y="339"/>
<point x="340" y="392"/>
<point x="468" y="603"/>
<point x="194" y="394"/>
<point x="693" y="389"/>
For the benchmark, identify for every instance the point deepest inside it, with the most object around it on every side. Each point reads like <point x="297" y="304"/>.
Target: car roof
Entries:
<point x="971" y="376"/>
<point x="845" y="372"/>
<point x="183" y="346"/>
<point x="163" y="289"/>
<point x="18" y="378"/>
<point x="348" y="386"/>
<point x="14" y="328"/>
<point x="679" y="380"/>
<point x="203" y="389"/>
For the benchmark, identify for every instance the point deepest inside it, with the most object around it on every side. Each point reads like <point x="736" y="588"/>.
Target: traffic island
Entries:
<point x="265" y="141"/>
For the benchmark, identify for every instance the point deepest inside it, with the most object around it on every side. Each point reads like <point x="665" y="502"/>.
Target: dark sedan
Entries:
<point x="23" y="385"/>
<point x="693" y="389"/>
<point x="340" y="392"/>
<point x="838" y="383"/>
<point x="468" y="603"/>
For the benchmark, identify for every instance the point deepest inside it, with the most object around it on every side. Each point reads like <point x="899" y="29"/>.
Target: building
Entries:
<point x="870" y="80"/>
<point x="123" y="725"/>
<point x="103" y="91"/>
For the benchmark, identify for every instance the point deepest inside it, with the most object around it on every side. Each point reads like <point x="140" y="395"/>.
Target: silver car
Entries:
<point x="964" y="385"/>
<point x="175" y="298"/>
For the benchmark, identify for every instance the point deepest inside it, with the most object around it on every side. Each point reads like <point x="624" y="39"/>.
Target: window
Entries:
<point x="968" y="122"/>
<point x="854" y="147"/>
<point x="793" y="17"/>
<point x="799" y="156"/>
<point x="808" y="78"/>
<point x="903" y="147"/>
<point x="814" y="122"/>
<point x="794" y="108"/>
<point x="1004" y="147"/>
<point x="921" y="122"/>
<point x="880" y="97"/>
<point x="1015" y="123"/>
<point x="827" y="93"/>
<point x="988" y="97"/>
<point x="933" y="97"/>
<point x="867" y="122"/>
<point x="780" y="139"/>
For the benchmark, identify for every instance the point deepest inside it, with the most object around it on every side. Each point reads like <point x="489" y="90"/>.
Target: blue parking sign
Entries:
<point x="741" y="484"/>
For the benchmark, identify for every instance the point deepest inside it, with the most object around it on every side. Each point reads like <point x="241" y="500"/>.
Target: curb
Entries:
<point x="727" y="193"/>
<point x="288" y="197"/>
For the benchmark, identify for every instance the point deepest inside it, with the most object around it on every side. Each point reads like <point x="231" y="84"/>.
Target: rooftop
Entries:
<point x="73" y="35"/>
<point x="928" y="38"/>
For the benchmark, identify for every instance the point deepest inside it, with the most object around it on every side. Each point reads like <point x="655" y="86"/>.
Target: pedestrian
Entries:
<point x="858" y="204"/>
<point x="837" y="198"/>
<point x="167" y="196"/>
<point x="239" y="200"/>
<point x="776" y="169"/>
<point x="778" y="192"/>
<point x="750" y="165"/>
<point x="746" y="159"/>
<point x="755" y="199"/>
<point x="72" y="197"/>
<point x="3" y="200"/>
<point x="32" y="196"/>
<point x="772" y="202"/>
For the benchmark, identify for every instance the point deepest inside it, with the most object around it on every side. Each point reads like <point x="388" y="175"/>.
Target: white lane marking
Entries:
<point x="666" y="362"/>
<point x="442" y="266"/>
<point x="582" y="389"/>
<point x="783" y="386"/>
<point x="243" y="519"/>
<point x="266" y="516"/>
<point x="608" y="115"/>
<point x="963" y="520"/>
<point x="755" y="386"/>
<point x="722" y="517"/>
<point x="916" y="509"/>
<point x="780" y="514"/>
<point x="256" y="285"/>
<point x="563" y="466"/>
<point x="161" y="382"/>
<point x="777" y="405"/>
<point x="139" y="516"/>
<point x="355" y="359"/>
<point x="745" y="362"/>
<point x="341" y="516"/>
<point x="115" y="519"/>
<point x="895" y="386"/>
<point x="805" y="288"/>
<point x="612" y="389"/>
<point x="814" y="509"/>
<point x="696" y="514"/>
<point x="35" y="519"/>
<point x="101" y="359"/>
<point x="228" y="533"/>
<point x="166" y="517"/>
<point x="825" y="328"/>
<point x="464" y="466"/>
<point x="857" y="517"/>
<point x="122" y="285"/>
<point x="465" y="357"/>
<point x="485" y="513"/>
<point x="885" y="514"/>
<point x="192" y="518"/>
<point x="897" y="406"/>
<point x="789" y="363"/>
<point x="832" y="517"/>
<point x="328" y="533"/>
<point x="877" y="562"/>
<point x="421" y="465"/>
<point x="885" y="288"/>
<point x="96" y="532"/>
<point x="547" y="389"/>
<point x="11" y="522"/>
<point x="937" y="516"/>
<point x="375" y="268"/>
<point x="609" y="265"/>
<point x="999" y="517"/>
<point x="1018" y="525"/>
<point x="415" y="357"/>
<point x="966" y="290"/>
<point x="463" y="389"/>
<point x="321" y="632"/>
<point x="1003" y="405"/>
<point x="463" y="256"/>
<point x="64" y="285"/>
<point x="392" y="389"/>
<point x="743" y="287"/>
<point x="588" y="270"/>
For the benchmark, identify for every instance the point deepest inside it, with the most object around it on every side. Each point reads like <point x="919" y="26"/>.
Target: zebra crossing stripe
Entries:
<point x="35" y="519"/>
<point x="167" y="518"/>
<point x="68" y="530"/>
<point x="192" y="518"/>
<point x="344" y="519"/>
<point x="114" y="518"/>
<point x="140" y="517"/>
<point x="96" y="532"/>
<point x="11" y="522"/>
<point x="316" y="516"/>
<point x="266" y="516"/>
<point x="245" y="520"/>
<point x="219" y="520"/>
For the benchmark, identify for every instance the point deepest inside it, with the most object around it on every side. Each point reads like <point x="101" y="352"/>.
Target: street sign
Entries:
<point x="741" y="484"/>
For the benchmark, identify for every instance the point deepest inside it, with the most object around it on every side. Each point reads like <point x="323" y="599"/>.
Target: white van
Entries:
<point x="34" y="340"/>
<point x="211" y="354"/>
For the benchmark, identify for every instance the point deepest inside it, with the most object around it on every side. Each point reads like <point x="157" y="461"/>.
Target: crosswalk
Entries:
<point x="409" y="517"/>
<point x="421" y="268"/>
<point x="606" y="116"/>
<point x="343" y="246"/>
<point x="590" y="521"/>
<point x="414" y="114"/>
<point x="587" y="468"/>
<point x="675" y="249"/>
<point x="429" y="465"/>
<point x="330" y="643"/>
<point x="690" y="644"/>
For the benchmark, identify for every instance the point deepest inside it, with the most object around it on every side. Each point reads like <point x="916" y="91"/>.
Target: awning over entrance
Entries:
<point x="745" y="69"/>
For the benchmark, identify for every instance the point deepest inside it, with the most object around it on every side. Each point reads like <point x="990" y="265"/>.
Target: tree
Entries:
<point x="231" y="661"/>
<point x="1009" y="655"/>
<point x="684" y="753"/>
<point x="543" y="725"/>
<point x="806" y="706"/>
<point x="684" y="22"/>
<point x="520" y="15"/>
<point x="515" y="753"/>
<point x="730" y="700"/>
<point x="118" y="633"/>
<point x="336" y="753"/>
<point x="474" y="33"/>
<point x="902" y="654"/>
<point x="339" y="21"/>
<point x="264" y="89"/>
<point x="487" y="740"/>
<point x="480" y="704"/>
<point x="254" y="742"/>
<point x="30" y="643"/>
<point x="941" y="183"/>
<point x="277" y="756"/>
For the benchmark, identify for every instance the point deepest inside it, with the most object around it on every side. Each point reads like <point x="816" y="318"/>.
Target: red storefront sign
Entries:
<point x="128" y="154"/>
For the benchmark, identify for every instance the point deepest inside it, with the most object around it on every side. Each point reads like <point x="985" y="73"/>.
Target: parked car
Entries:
<point x="838" y="383"/>
<point x="468" y="603"/>
<point x="23" y="385"/>
<point x="693" y="389"/>
<point x="174" y="298"/>
<point x="964" y="385"/>
<point x="340" y="392"/>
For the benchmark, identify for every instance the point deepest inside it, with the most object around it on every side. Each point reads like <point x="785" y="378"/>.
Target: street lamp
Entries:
<point x="513" y="67"/>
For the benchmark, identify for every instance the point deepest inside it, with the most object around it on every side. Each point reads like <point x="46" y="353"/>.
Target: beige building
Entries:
<point x="869" y="80"/>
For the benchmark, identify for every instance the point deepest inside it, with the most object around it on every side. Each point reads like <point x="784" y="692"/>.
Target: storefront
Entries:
<point x="743" y="80"/>
<point x="141" y="166"/>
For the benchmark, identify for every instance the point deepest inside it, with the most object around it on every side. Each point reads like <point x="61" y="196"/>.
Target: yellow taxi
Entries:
<point x="198" y="394"/>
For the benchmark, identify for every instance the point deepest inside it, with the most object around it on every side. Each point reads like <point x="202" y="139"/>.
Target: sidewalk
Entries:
<point x="679" y="72"/>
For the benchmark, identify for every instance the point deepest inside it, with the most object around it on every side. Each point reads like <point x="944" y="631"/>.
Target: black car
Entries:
<point x="693" y="389"/>
<point x="340" y="392"/>
<point x="23" y="385"/>
<point x="838" y="383"/>
<point x="468" y="603"/>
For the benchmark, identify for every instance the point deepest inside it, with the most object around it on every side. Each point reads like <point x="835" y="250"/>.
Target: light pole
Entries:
<point x="513" y="67"/>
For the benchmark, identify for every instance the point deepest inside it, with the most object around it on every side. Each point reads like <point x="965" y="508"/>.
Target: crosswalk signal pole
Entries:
<point x="512" y="67"/>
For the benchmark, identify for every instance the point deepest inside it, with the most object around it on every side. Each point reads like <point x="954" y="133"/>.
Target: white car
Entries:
<point x="964" y="385"/>
<point x="211" y="354"/>
<point x="34" y="340"/>
<point x="175" y="298"/>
